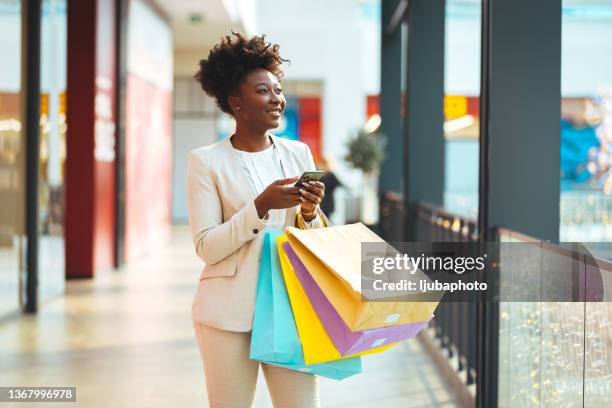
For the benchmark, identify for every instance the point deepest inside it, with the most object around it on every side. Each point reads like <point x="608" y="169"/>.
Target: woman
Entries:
<point x="237" y="188"/>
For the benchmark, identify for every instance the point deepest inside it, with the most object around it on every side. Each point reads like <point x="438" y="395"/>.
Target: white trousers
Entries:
<point x="231" y="376"/>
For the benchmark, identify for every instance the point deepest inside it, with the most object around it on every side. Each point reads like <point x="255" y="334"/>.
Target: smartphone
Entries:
<point x="308" y="176"/>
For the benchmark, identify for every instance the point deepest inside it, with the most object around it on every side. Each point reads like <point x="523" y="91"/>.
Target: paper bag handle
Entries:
<point x="301" y="224"/>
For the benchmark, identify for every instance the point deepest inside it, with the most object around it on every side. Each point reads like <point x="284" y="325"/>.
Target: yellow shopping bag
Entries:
<point x="316" y="343"/>
<point x="332" y="256"/>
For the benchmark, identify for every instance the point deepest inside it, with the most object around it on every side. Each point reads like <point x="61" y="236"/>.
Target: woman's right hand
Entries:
<point x="278" y="195"/>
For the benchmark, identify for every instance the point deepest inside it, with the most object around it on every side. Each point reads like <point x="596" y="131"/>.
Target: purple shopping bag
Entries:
<point x="346" y="341"/>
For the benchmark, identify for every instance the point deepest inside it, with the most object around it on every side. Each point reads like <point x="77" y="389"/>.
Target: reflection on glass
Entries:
<point x="556" y="354"/>
<point x="598" y="360"/>
<point x="11" y="157"/>
<point x="551" y="344"/>
<point x="52" y="149"/>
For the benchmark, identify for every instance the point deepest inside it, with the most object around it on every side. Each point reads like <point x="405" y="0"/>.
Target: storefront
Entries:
<point x="32" y="253"/>
<point x="73" y="79"/>
<point x="12" y="158"/>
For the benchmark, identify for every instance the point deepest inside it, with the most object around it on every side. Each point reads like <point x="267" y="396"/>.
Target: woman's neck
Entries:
<point x="249" y="140"/>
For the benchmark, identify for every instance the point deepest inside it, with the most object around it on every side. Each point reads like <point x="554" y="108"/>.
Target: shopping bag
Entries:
<point x="274" y="339"/>
<point x="346" y="341"/>
<point x="317" y="346"/>
<point x="336" y="370"/>
<point x="332" y="257"/>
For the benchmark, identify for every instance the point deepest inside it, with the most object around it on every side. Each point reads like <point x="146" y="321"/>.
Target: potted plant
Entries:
<point x="366" y="153"/>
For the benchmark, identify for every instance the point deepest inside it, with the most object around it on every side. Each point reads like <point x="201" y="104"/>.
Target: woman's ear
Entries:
<point x="234" y="103"/>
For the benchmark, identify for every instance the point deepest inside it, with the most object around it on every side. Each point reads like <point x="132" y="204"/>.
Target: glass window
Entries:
<point x="586" y="124"/>
<point x="51" y="262"/>
<point x="586" y="181"/>
<point x="461" y="106"/>
<point x="560" y="354"/>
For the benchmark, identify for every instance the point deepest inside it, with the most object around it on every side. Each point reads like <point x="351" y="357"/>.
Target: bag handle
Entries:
<point x="302" y="224"/>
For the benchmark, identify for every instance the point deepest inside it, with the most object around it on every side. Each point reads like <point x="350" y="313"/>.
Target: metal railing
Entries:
<point x="576" y="331"/>
<point x="454" y="322"/>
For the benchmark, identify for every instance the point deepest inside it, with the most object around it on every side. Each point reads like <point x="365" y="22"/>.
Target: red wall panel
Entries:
<point x="310" y="123"/>
<point x="148" y="139"/>
<point x="90" y="161"/>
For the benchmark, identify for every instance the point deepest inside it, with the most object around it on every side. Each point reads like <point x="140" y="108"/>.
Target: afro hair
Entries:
<point x="233" y="59"/>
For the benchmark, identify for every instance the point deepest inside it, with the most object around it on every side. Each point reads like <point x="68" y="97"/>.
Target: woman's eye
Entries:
<point x="261" y="91"/>
<point x="278" y="91"/>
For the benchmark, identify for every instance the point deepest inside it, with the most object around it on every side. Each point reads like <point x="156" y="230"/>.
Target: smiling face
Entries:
<point x="260" y="100"/>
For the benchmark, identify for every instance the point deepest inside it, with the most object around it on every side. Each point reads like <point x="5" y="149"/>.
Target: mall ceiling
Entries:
<point x="198" y="24"/>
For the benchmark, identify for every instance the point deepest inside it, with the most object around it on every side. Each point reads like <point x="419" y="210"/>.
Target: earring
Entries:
<point x="237" y="107"/>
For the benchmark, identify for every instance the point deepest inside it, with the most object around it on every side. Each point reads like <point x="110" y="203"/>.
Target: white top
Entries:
<point x="264" y="168"/>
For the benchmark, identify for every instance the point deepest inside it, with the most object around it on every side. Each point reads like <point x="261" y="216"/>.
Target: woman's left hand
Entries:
<point x="312" y="193"/>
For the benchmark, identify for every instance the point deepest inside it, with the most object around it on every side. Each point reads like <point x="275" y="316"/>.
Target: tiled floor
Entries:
<point x="125" y="339"/>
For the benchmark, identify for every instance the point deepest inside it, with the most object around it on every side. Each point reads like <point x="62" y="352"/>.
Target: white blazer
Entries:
<point x="227" y="231"/>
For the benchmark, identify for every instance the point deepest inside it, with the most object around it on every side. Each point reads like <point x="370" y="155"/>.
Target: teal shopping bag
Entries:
<point x="275" y="339"/>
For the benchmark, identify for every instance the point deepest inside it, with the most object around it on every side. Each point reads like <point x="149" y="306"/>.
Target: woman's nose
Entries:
<point x="275" y="98"/>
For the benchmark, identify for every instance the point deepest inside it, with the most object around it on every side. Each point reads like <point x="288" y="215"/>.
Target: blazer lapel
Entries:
<point x="239" y="174"/>
<point x="285" y="158"/>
